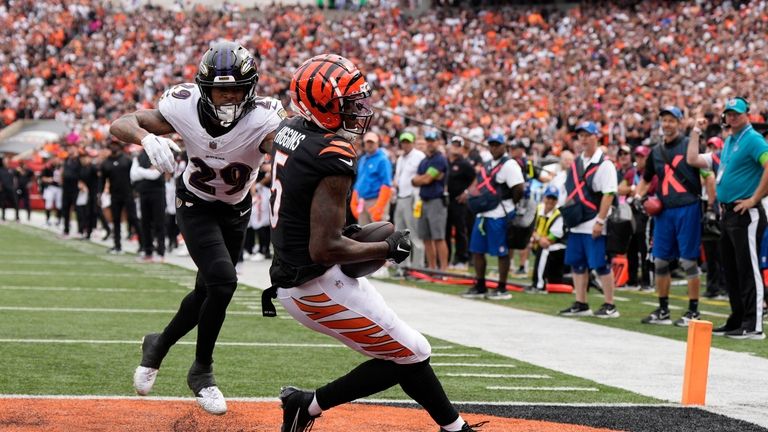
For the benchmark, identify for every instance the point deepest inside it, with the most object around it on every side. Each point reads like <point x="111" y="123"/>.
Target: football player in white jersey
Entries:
<point x="226" y="130"/>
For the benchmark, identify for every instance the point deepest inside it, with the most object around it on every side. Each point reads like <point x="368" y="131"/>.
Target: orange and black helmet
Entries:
<point x="331" y="92"/>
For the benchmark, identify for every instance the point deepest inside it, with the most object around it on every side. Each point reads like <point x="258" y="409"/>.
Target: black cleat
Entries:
<point x="295" y="404"/>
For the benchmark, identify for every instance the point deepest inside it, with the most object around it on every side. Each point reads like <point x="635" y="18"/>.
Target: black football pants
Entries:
<point x="739" y="249"/>
<point x="153" y="222"/>
<point x="120" y="202"/>
<point x="214" y="233"/>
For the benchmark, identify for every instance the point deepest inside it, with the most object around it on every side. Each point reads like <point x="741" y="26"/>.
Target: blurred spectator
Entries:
<point x="171" y="228"/>
<point x="405" y="170"/>
<point x="50" y="183"/>
<point x="461" y="174"/>
<point x="24" y="177"/>
<point x="149" y="183"/>
<point x="116" y="175"/>
<point x="638" y="258"/>
<point x="7" y="187"/>
<point x="433" y="211"/>
<point x="590" y="186"/>
<point x="373" y="185"/>
<point x="70" y="188"/>
<point x="498" y="186"/>
<point x="716" y="288"/>
<point x="548" y="243"/>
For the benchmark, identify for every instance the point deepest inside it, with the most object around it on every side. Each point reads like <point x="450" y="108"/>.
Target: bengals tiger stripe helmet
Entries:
<point x="331" y="92"/>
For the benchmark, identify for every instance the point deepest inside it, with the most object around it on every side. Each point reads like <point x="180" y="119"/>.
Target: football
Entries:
<point x="653" y="206"/>
<point x="372" y="232"/>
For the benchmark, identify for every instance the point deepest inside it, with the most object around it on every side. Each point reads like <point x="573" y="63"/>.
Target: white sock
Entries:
<point x="314" y="408"/>
<point x="455" y="426"/>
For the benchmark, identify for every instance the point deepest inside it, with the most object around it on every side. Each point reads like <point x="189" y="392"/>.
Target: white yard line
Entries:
<point x="137" y="342"/>
<point x="558" y="389"/>
<point x="474" y="365"/>
<point x="106" y="310"/>
<point x="89" y="289"/>
<point x="516" y="376"/>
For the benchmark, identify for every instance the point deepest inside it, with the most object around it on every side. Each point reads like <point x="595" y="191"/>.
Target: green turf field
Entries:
<point x="633" y="306"/>
<point x="71" y="318"/>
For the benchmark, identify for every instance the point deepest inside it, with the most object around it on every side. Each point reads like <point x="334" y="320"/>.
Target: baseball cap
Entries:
<point x="370" y="136"/>
<point x="516" y="143"/>
<point x="407" y="136"/>
<point x="738" y="105"/>
<point x="430" y="135"/>
<point x="673" y="111"/>
<point x="642" y="150"/>
<point x="496" y="138"/>
<point x="588" y="127"/>
<point x="551" y="191"/>
<point x="715" y="141"/>
<point x="457" y="140"/>
<point x="625" y="148"/>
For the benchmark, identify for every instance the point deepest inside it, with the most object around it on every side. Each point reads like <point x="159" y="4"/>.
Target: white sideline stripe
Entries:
<point x="482" y="365"/>
<point x="137" y="342"/>
<point x="573" y="389"/>
<point x="714" y="314"/>
<point x="621" y="299"/>
<point x="76" y="261"/>
<point x="471" y="375"/>
<point x="671" y="307"/>
<point x="64" y="309"/>
<point x="364" y="401"/>
<point x="88" y="289"/>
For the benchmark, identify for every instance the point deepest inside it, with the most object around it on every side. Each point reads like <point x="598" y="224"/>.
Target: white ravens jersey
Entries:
<point x="221" y="168"/>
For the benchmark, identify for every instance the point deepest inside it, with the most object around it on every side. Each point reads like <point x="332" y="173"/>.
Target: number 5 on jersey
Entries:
<point x="277" y="187"/>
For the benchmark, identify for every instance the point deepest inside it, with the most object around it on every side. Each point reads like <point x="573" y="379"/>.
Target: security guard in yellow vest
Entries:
<point x="548" y="242"/>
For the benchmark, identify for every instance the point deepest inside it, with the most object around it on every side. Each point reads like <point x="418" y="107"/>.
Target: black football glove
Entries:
<point x="399" y="246"/>
<point x="351" y="230"/>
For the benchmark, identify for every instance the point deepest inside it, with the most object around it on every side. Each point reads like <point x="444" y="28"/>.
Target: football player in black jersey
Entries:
<point x="314" y="164"/>
<point x="227" y="130"/>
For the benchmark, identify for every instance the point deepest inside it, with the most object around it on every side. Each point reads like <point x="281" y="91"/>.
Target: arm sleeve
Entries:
<point x="386" y="171"/>
<point x="557" y="228"/>
<point x="605" y="178"/>
<point x="512" y="173"/>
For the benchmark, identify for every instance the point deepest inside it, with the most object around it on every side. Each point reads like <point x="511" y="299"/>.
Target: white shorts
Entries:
<point x="352" y="311"/>
<point x="52" y="197"/>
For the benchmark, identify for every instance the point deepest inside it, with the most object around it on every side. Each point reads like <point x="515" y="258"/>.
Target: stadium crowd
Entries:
<point x="458" y="84"/>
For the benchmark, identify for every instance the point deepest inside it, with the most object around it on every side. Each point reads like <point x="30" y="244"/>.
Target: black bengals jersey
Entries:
<point x="302" y="155"/>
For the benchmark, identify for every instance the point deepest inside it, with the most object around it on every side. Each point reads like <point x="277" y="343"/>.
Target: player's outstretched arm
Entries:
<point x="327" y="245"/>
<point x="133" y="127"/>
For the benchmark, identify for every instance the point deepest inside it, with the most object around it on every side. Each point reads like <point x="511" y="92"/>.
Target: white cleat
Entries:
<point x="212" y="401"/>
<point x="144" y="379"/>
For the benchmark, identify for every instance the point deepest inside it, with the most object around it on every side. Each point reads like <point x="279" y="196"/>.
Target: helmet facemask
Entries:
<point x="227" y="113"/>
<point x="355" y="113"/>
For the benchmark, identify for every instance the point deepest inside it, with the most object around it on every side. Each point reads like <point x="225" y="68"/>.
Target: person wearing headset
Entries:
<point x="742" y="181"/>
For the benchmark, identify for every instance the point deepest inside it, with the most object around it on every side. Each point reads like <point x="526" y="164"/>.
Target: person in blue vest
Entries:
<point x="373" y="186"/>
<point x="591" y="188"/>
<point x="741" y="182"/>
<point x="677" y="229"/>
<point x="492" y="197"/>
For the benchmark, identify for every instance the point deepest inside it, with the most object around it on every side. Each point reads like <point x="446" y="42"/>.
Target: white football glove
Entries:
<point x="159" y="151"/>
